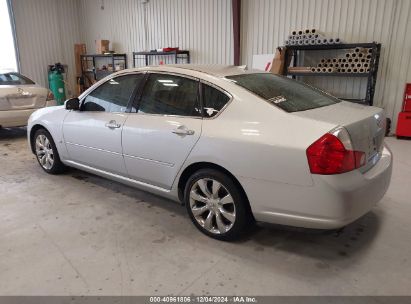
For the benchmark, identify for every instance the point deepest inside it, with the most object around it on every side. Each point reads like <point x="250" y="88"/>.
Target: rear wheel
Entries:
<point x="46" y="152"/>
<point x="216" y="205"/>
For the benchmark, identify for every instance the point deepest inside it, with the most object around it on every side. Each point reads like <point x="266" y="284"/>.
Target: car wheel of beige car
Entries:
<point x="216" y="206"/>
<point x="46" y="152"/>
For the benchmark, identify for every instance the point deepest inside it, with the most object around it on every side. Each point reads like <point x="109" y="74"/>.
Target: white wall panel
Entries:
<point x="267" y="23"/>
<point x="46" y="32"/>
<point x="398" y="66"/>
<point x="204" y="27"/>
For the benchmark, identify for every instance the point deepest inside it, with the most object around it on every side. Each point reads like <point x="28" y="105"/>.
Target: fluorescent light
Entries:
<point x="165" y="81"/>
<point x="170" y="84"/>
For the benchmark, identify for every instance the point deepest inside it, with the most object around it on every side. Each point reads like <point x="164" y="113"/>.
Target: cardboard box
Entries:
<point x="277" y="66"/>
<point x="102" y="46"/>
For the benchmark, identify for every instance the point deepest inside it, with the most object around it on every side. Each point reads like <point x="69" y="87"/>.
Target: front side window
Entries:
<point x="287" y="94"/>
<point x="113" y="95"/>
<point x="213" y="100"/>
<point x="170" y="95"/>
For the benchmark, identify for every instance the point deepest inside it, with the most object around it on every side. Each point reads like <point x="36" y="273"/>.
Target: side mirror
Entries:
<point x="73" y="104"/>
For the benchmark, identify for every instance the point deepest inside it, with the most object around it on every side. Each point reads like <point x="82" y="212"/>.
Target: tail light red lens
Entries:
<point x="50" y="96"/>
<point x="328" y="155"/>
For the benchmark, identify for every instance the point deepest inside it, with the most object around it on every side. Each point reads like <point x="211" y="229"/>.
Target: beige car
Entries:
<point x="19" y="97"/>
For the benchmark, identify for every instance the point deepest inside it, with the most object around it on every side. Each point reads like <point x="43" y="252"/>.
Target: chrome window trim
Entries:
<point x="174" y="74"/>
<point x="222" y="91"/>
<point x="202" y="81"/>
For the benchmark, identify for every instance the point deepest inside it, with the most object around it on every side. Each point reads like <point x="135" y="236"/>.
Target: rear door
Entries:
<point x="158" y="138"/>
<point x="93" y="134"/>
<point x="20" y="93"/>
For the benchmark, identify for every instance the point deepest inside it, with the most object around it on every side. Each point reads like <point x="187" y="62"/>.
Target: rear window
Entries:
<point x="14" y="79"/>
<point x="285" y="93"/>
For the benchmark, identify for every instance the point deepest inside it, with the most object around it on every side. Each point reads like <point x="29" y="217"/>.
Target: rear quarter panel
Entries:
<point x="254" y="139"/>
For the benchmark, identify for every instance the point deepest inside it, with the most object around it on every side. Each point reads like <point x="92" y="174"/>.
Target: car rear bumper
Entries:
<point x="18" y="118"/>
<point x="15" y="118"/>
<point x="332" y="202"/>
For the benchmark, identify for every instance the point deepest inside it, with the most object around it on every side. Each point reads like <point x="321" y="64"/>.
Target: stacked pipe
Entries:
<point x="310" y="37"/>
<point x="356" y="61"/>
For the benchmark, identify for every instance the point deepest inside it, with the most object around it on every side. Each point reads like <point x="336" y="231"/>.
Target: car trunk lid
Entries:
<point x="22" y="97"/>
<point x="365" y="125"/>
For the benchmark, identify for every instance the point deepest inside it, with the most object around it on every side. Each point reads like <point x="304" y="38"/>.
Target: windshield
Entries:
<point x="285" y="93"/>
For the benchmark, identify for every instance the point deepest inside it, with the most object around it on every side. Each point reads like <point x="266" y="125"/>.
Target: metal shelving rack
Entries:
<point x="146" y="56"/>
<point x="88" y="65"/>
<point x="295" y="52"/>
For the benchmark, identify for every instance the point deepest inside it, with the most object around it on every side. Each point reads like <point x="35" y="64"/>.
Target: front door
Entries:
<point x="158" y="138"/>
<point x="93" y="134"/>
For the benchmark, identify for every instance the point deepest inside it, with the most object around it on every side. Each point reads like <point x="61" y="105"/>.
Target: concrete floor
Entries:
<point x="78" y="234"/>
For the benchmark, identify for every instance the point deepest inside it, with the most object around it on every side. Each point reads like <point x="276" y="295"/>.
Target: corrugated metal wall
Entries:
<point x="46" y="32"/>
<point x="267" y="23"/>
<point x="203" y="27"/>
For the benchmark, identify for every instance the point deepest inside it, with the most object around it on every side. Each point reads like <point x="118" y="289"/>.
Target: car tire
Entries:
<point x="46" y="152"/>
<point x="216" y="205"/>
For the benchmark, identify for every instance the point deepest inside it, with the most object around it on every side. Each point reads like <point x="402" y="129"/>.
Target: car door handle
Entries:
<point x="113" y="124"/>
<point x="182" y="130"/>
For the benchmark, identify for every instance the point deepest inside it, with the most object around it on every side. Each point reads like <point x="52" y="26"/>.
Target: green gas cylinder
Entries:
<point x="56" y="83"/>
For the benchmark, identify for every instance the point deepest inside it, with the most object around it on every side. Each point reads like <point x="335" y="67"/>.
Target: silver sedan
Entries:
<point x="234" y="146"/>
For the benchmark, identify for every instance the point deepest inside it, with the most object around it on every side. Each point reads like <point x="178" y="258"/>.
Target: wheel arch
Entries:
<point x="194" y="167"/>
<point x="33" y="131"/>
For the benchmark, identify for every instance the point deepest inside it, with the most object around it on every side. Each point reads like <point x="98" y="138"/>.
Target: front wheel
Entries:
<point x="46" y="152"/>
<point x="216" y="205"/>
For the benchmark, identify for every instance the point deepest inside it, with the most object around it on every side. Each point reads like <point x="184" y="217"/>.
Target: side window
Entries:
<point x="170" y="95"/>
<point x="3" y="79"/>
<point x="213" y="100"/>
<point x="16" y="79"/>
<point x="113" y="95"/>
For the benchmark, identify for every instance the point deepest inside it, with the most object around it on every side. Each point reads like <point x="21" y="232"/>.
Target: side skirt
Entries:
<point x="124" y="180"/>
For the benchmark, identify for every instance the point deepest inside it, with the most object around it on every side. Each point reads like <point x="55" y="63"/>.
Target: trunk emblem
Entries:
<point x="23" y="93"/>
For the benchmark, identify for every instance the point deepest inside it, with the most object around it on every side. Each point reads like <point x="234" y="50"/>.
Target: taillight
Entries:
<point x="50" y="96"/>
<point x="333" y="154"/>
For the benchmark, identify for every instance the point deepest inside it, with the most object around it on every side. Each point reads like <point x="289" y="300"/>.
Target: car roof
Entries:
<point x="217" y="70"/>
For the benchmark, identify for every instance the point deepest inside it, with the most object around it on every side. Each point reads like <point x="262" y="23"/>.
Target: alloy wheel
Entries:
<point x="44" y="152"/>
<point x="212" y="206"/>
